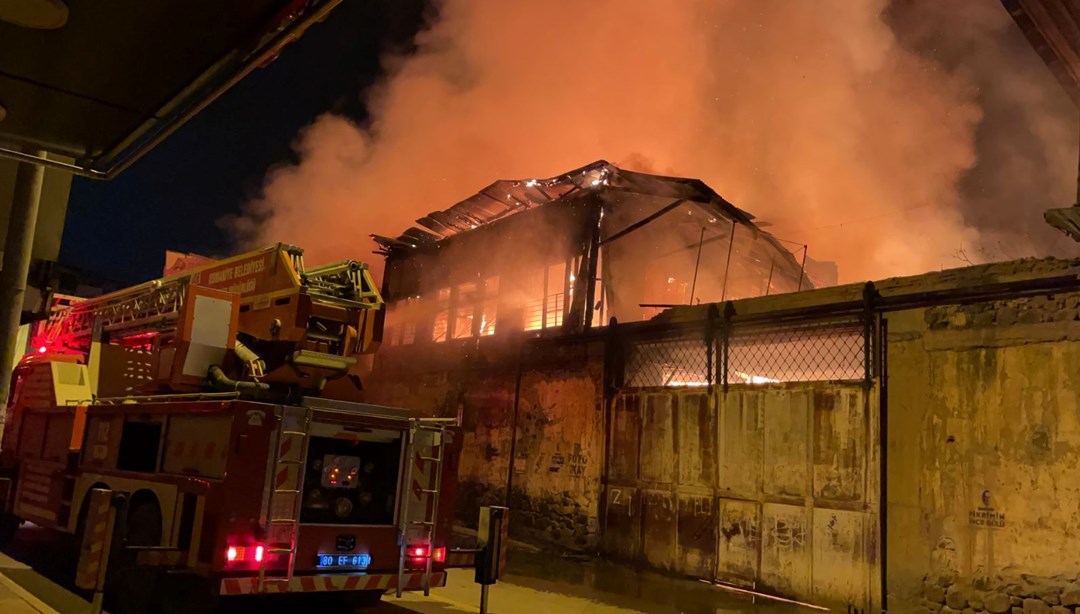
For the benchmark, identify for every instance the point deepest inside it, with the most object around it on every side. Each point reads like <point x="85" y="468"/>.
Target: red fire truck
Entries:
<point x="215" y="405"/>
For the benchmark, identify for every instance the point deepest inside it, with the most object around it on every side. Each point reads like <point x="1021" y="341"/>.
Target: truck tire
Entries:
<point x="144" y="522"/>
<point x="9" y="524"/>
<point x="361" y="600"/>
<point x="129" y="588"/>
<point x="185" y="593"/>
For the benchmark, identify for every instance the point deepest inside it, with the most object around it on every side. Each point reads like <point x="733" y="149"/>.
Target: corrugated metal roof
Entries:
<point x="506" y="198"/>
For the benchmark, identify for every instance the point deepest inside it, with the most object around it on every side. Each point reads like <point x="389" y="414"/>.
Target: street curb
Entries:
<point x="25" y="595"/>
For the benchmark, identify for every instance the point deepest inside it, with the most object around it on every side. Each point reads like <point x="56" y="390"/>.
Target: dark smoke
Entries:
<point x="892" y="138"/>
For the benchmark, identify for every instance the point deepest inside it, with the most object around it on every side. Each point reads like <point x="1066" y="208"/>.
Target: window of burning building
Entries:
<point x="468" y="309"/>
<point x="441" y="325"/>
<point x="465" y="310"/>
<point x="401" y="318"/>
<point x="546" y="292"/>
<point x="476" y="308"/>
<point x="489" y="307"/>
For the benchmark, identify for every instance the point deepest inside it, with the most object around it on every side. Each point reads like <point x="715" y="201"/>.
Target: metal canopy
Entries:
<point x="1053" y="28"/>
<point x="119" y="76"/>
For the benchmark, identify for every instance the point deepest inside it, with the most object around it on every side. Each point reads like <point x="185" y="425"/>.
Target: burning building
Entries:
<point x="900" y="443"/>
<point x="573" y="251"/>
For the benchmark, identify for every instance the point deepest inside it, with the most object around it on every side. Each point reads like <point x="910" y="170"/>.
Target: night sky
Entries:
<point x="173" y="197"/>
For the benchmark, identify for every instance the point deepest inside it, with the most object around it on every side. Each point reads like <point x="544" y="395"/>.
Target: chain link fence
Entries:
<point x="814" y="352"/>
<point x="798" y="352"/>
<point x="669" y="362"/>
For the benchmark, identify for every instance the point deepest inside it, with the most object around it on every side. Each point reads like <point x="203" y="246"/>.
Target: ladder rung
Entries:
<point x="282" y="520"/>
<point x="426" y="523"/>
<point x="286" y="491"/>
<point x="293" y="433"/>
<point x="429" y="491"/>
<point x="431" y="458"/>
<point x="280" y="551"/>
<point x="289" y="461"/>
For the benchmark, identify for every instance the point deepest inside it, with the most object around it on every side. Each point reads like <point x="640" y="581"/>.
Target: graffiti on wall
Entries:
<point x="622" y="498"/>
<point x="575" y="462"/>
<point x="740" y="526"/>
<point x="578" y="461"/>
<point x="785" y="533"/>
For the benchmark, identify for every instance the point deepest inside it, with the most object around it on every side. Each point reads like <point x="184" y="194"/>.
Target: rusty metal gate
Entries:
<point x="765" y="477"/>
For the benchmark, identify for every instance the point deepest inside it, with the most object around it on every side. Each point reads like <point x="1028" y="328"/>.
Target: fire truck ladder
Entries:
<point x="293" y="436"/>
<point x="426" y="526"/>
<point x="154" y="305"/>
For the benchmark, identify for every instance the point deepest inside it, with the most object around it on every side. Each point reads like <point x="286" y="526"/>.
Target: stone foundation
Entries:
<point x="1031" y="310"/>
<point x="1023" y="594"/>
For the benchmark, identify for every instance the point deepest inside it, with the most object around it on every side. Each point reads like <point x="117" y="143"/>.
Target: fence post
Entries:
<point x="613" y="359"/>
<point x="869" y="292"/>
<point x="725" y="338"/>
<point x="710" y="342"/>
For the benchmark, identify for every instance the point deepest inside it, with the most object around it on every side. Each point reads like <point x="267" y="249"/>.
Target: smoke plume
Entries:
<point x="843" y="124"/>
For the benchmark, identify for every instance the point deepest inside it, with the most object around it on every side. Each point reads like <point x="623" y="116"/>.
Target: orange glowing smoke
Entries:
<point x="809" y="114"/>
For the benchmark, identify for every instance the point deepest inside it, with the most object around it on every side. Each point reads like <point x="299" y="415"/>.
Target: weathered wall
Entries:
<point x="767" y="487"/>
<point x="984" y="444"/>
<point x="560" y="440"/>
<point x="781" y="492"/>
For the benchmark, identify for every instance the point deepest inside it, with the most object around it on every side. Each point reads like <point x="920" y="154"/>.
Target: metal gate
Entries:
<point x="765" y="477"/>
<point x="797" y="496"/>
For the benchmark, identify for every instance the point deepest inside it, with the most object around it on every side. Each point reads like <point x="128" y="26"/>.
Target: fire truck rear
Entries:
<point x="212" y="407"/>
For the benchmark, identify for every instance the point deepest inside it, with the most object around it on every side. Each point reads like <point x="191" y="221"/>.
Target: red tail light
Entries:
<point x="418" y="551"/>
<point x="239" y="554"/>
<point x="440" y="555"/>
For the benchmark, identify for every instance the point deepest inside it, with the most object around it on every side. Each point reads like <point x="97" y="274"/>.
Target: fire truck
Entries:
<point x="219" y="406"/>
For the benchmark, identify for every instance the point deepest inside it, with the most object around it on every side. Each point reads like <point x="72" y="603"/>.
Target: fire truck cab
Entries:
<point x="203" y="409"/>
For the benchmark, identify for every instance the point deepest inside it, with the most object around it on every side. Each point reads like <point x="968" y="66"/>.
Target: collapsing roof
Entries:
<point x="608" y="183"/>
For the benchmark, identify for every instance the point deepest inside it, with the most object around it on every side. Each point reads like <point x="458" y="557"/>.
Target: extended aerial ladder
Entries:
<point x="292" y="328"/>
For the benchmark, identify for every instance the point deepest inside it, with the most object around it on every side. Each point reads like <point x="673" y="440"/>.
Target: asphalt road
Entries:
<point x="38" y="562"/>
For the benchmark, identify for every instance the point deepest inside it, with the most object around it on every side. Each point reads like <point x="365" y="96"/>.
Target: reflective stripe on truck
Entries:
<point x="337" y="582"/>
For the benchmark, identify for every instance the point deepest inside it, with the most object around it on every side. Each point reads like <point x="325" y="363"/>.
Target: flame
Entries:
<point x="749" y="378"/>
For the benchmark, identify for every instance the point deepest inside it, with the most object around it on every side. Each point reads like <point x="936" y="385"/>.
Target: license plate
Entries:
<point x="343" y="561"/>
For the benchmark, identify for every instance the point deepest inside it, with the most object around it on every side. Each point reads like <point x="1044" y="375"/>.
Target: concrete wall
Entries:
<point x="984" y="446"/>
<point x="560" y="440"/>
<point x="982" y="469"/>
